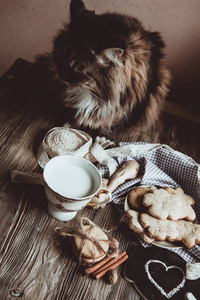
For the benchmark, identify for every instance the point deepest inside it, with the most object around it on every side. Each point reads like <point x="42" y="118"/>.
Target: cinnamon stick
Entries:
<point x="99" y="264"/>
<point x="111" y="267"/>
<point x="113" y="260"/>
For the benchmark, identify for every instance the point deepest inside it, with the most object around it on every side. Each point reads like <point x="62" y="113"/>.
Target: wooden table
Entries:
<point x="34" y="263"/>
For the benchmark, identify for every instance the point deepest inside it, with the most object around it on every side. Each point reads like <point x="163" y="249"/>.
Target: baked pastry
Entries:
<point x="134" y="224"/>
<point x="85" y="246"/>
<point x="174" y="206"/>
<point x="135" y="198"/>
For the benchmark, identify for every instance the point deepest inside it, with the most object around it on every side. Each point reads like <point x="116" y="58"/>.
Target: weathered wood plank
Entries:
<point x="36" y="267"/>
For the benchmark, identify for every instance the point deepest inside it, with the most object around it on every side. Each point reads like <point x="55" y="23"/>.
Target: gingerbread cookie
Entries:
<point x="160" y="229"/>
<point x="134" y="224"/>
<point x="189" y="233"/>
<point x="180" y="193"/>
<point x="164" y="205"/>
<point x="135" y="198"/>
<point x="170" y="190"/>
<point x="186" y="232"/>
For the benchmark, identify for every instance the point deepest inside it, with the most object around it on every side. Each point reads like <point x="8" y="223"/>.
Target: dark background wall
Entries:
<point x="28" y="26"/>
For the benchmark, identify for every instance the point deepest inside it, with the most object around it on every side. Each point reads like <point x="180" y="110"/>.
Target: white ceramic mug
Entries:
<point x="70" y="182"/>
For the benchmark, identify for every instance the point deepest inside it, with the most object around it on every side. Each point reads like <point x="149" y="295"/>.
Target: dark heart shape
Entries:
<point x="165" y="269"/>
<point x="134" y="272"/>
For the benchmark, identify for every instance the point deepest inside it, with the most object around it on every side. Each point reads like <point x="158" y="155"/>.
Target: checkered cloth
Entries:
<point x="163" y="168"/>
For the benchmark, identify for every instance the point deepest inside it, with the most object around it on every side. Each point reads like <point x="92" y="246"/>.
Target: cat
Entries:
<point x="113" y="69"/>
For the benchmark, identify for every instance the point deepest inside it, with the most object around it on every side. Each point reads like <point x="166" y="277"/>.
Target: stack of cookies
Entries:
<point x="163" y="214"/>
<point x="85" y="244"/>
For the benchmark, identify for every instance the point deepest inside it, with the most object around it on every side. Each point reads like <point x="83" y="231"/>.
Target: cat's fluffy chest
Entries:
<point x="91" y="111"/>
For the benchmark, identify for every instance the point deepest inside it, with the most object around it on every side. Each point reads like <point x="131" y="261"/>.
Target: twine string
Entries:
<point x="79" y="232"/>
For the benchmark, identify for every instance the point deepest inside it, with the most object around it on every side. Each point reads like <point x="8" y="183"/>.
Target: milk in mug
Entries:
<point x="71" y="181"/>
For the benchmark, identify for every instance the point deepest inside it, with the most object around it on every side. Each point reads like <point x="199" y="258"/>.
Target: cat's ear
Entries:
<point x="111" y="54"/>
<point x="77" y="7"/>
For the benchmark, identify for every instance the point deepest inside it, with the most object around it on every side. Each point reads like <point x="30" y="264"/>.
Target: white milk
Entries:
<point x="71" y="181"/>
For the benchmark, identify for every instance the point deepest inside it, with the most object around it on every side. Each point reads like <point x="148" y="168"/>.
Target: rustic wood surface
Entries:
<point x="34" y="263"/>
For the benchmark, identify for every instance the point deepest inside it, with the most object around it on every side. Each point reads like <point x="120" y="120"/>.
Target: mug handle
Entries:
<point x="26" y="177"/>
<point x="99" y="203"/>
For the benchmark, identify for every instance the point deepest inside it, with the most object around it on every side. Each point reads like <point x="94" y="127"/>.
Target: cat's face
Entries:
<point x="85" y="56"/>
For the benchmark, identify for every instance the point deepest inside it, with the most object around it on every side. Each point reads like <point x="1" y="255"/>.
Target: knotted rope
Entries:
<point x="85" y="236"/>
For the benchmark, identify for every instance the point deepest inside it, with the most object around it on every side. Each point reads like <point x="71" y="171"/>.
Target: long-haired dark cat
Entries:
<point x="114" y="70"/>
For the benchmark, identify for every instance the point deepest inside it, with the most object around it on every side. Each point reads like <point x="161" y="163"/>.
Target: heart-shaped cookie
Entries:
<point x="166" y="268"/>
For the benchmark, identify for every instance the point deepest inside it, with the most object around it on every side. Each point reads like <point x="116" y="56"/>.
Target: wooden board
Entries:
<point x="34" y="264"/>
